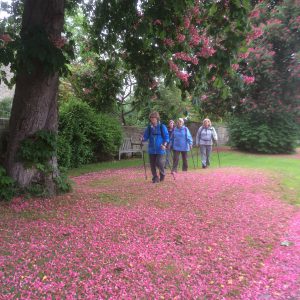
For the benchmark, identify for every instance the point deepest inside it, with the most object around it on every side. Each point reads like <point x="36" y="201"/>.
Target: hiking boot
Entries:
<point x="155" y="179"/>
<point x="162" y="177"/>
<point x="203" y="167"/>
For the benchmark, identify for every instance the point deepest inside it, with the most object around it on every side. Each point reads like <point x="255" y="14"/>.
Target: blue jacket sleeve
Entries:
<point x="166" y="138"/>
<point x="189" y="137"/>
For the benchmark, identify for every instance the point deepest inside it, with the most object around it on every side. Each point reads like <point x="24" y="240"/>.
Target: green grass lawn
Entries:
<point x="284" y="168"/>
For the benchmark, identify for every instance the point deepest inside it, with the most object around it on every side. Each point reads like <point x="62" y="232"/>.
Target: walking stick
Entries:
<point x="197" y="157"/>
<point x="193" y="157"/>
<point x="172" y="173"/>
<point x="143" y="160"/>
<point x="218" y="154"/>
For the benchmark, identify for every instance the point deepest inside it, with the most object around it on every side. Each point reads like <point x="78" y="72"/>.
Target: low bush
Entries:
<point x="7" y="186"/>
<point x="257" y="132"/>
<point x="86" y="136"/>
<point x="5" y="107"/>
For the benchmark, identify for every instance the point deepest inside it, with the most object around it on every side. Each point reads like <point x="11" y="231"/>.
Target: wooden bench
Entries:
<point x="130" y="147"/>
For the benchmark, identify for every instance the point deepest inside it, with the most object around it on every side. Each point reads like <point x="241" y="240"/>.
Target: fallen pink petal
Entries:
<point x="212" y="235"/>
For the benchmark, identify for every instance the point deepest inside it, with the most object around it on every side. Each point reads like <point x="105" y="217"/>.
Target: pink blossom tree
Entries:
<point x="269" y="104"/>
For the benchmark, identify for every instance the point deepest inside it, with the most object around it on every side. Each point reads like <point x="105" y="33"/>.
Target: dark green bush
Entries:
<point x="64" y="151"/>
<point x="7" y="186"/>
<point x="86" y="136"/>
<point x="5" y="107"/>
<point x="108" y="137"/>
<point x="257" y="132"/>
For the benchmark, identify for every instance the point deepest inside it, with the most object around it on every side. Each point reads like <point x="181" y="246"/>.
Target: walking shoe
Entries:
<point x="155" y="179"/>
<point x="203" y="167"/>
<point x="162" y="177"/>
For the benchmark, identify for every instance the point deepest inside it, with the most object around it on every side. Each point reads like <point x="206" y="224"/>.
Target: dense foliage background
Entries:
<point x="232" y="61"/>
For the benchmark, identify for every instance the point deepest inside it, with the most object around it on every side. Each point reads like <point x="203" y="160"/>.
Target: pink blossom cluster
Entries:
<point x="295" y="23"/>
<point x="254" y="34"/>
<point x="195" y="38"/>
<point x="180" y="37"/>
<point x="254" y="14"/>
<point x="206" y="52"/>
<point x="169" y="42"/>
<point x="6" y="38"/>
<point x="173" y="67"/>
<point x="216" y="235"/>
<point x="274" y="22"/>
<point x="183" y="76"/>
<point x="185" y="57"/>
<point x="192" y="36"/>
<point x="244" y="55"/>
<point x="248" y="79"/>
<point x="235" y="66"/>
<point x="186" y="22"/>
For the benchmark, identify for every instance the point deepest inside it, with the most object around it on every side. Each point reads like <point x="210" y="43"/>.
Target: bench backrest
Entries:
<point x="127" y="144"/>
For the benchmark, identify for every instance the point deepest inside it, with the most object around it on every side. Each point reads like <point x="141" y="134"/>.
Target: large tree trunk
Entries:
<point x="35" y="100"/>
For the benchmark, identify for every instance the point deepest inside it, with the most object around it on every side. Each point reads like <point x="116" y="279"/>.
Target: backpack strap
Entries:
<point x="161" y="130"/>
<point x="210" y="128"/>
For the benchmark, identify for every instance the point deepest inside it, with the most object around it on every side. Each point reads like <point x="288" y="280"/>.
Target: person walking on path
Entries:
<point x="158" y="137"/>
<point x="181" y="142"/>
<point x="168" y="150"/>
<point x="206" y="136"/>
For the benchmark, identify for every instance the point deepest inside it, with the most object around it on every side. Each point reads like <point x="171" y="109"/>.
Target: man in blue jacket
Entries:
<point x="158" y="137"/>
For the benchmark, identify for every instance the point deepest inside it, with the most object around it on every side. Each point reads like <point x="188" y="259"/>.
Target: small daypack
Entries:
<point x="161" y="130"/>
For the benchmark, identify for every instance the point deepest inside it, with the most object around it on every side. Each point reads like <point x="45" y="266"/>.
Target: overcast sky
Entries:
<point x="2" y="13"/>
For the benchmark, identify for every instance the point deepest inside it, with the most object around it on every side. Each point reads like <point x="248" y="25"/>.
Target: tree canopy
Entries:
<point x="191" y="44"/>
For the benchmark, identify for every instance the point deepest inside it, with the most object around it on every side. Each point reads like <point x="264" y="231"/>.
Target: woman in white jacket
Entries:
<point x="205" y="137"/>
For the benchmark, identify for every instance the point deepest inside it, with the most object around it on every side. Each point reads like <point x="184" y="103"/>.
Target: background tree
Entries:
<point x="271" y="103"/>
<point x="178" y="40"/>
<point x="38" y="57"/>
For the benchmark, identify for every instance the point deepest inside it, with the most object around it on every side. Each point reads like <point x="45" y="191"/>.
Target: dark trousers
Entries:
<point x="157" y="161"/>
<point x="176" y="160"/>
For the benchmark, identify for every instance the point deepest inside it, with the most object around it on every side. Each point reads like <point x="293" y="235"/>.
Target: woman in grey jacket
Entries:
<point x="205" y="137"/>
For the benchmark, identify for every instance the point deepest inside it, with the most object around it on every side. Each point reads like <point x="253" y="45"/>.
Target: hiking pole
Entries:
<point x="193" y="157"/>
<point x="143" y="160"/>
<point x="197" y="157"/>
<point x="172" y="173"/>
<point x="218" y="154"/>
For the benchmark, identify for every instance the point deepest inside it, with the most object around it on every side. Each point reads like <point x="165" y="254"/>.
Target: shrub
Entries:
<point x="5" y="107"/>
<point x="7" y="186"/>
<point x="64" y="151"/>
<point x="85" y="136"/>
<point x="257" y="132"/>
<point x="108" y="137"/>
